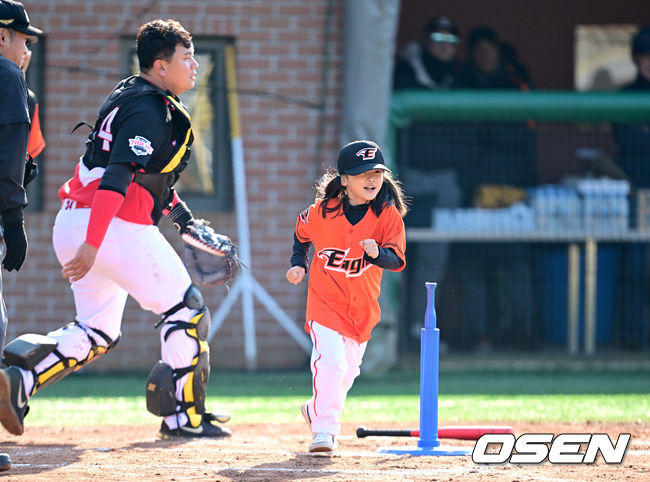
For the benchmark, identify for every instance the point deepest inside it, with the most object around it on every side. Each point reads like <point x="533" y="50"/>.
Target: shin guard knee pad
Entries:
<point x="161" y="390"/>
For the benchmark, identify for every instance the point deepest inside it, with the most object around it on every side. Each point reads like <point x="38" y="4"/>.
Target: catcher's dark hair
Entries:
<point x="329" y="186"/>
<point x="158" y="39"/>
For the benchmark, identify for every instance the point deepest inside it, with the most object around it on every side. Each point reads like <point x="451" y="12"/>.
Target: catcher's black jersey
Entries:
<point x="148" y="129"/>
<point x="139" y="124"/>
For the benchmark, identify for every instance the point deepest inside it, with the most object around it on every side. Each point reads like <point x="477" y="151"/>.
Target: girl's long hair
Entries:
<point x="328" y="186"/>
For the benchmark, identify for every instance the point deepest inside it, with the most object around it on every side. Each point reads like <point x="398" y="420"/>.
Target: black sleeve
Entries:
<point x="13" y="94"/>
<point x="387" y="259"/>
<point x="139" y="130"/>
<point x="117" y="177"/>
<point x="403" y="76"/>
<point x="13" y="153"/>
<point x="300" y="250"/>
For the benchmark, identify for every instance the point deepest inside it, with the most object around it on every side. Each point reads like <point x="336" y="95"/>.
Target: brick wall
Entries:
<point x="279" y="48"/>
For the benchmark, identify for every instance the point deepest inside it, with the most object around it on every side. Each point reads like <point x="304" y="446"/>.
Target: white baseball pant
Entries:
<point x="136" y="260"/>
<point x="335" y="362"/>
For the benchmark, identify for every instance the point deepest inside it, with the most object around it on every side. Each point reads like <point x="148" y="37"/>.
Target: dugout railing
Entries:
<point x="576" y="163"/>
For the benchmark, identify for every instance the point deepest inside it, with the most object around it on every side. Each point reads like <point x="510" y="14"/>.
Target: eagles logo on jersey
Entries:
<point x="337" y="260"/>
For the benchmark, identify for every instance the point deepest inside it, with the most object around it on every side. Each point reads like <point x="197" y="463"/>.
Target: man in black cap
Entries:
<point x="15" y="34"/>
<point x="430" y="174"/>
<point x="633" y="141"/>
<point x="431" y="64"/>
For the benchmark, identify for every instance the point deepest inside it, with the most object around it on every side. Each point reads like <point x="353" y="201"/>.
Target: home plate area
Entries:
<point x="279" y="452"/>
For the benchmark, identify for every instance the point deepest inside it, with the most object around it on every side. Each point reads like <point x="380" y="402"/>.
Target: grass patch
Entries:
<point x="499" y="396"/>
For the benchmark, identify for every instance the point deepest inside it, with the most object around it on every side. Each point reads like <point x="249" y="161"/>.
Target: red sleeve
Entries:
<point x="105" y="206"/>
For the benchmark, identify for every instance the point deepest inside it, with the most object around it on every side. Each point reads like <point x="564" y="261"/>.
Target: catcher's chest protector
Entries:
<point x="165" y="164"/>
<point x="127" y="93"/>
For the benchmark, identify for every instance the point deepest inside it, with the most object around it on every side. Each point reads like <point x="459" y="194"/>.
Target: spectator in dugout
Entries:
<point x="492" y="63"/>
<point x="431" y="63"/>
<point x="497" y="277"/>
<point x="633" y="141"/>
<point x="429" y="170"/>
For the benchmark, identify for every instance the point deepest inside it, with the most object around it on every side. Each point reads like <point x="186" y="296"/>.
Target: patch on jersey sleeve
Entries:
<point x="141" y="146"/>
<point x="304" y="216"/>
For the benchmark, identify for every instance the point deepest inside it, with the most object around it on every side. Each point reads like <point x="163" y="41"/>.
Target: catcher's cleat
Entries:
<point x="323" y="442"/>
<point x="13" y="402"/>
<point x="5" y="462"/>
<point x="304" y="409"/>
<point x="205" y="429"/>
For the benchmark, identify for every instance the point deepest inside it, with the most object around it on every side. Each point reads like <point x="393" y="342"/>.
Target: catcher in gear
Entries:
<point x="106" y="239"/>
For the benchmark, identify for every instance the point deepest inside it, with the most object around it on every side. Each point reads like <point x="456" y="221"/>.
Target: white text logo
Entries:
<point x="534" y="448"/>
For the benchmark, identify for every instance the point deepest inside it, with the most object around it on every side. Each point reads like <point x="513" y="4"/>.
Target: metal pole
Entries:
<point x="573" y="296"/>
<point x="241" y="210"/>
<point x="590" y="295"/>
<point x="246" y="285"/>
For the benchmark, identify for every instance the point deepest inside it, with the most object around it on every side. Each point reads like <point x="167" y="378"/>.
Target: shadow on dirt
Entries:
<point x="38" y="458"/>
<point x="301" y="466"/>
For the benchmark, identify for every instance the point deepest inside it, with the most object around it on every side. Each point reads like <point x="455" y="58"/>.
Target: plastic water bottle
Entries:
<point x="542" y="209"/>
<point x="588" y="208"/>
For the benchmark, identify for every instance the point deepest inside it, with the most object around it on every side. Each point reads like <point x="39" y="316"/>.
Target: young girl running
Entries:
<point x="357" y="231"/>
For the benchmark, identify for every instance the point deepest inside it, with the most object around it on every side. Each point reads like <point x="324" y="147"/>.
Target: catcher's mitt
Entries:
<point x="210" y="258"/>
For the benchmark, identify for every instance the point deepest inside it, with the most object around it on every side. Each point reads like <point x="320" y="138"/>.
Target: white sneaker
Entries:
<point x="323" y="442"/>
<point x="304" y="409"/>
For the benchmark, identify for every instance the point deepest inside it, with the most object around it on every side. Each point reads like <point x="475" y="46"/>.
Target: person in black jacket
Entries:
<point x="432" y="164"/>
<point x="15" y="34"/>
<point x="432" y="63"/>
<point x="496" y="277"/>
<point x="633" y="141"/>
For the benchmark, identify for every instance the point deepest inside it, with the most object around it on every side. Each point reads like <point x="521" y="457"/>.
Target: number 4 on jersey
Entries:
<point x="105" y="130"/>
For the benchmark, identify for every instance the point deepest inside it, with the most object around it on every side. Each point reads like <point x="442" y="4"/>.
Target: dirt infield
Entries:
<point x="278" y="452"/>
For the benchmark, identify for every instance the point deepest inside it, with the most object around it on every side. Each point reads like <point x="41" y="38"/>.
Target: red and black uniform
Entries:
<point x="121" y="187"/>
<point x="137" y="149"/>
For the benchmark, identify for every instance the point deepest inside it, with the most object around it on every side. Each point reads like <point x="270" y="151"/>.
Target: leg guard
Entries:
<point x="28" y="351"/>
<point x="161" y="390"/>
<point x="198" y="372"/>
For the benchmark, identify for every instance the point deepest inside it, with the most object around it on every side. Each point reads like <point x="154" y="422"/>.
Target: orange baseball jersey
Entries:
<point x="343" y="287"/>
<point x="36" y="142"/>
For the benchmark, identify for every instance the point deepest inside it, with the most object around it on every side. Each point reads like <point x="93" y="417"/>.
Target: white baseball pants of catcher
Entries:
<point x="136" y="260"/>
<point x="335" y="362"/>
